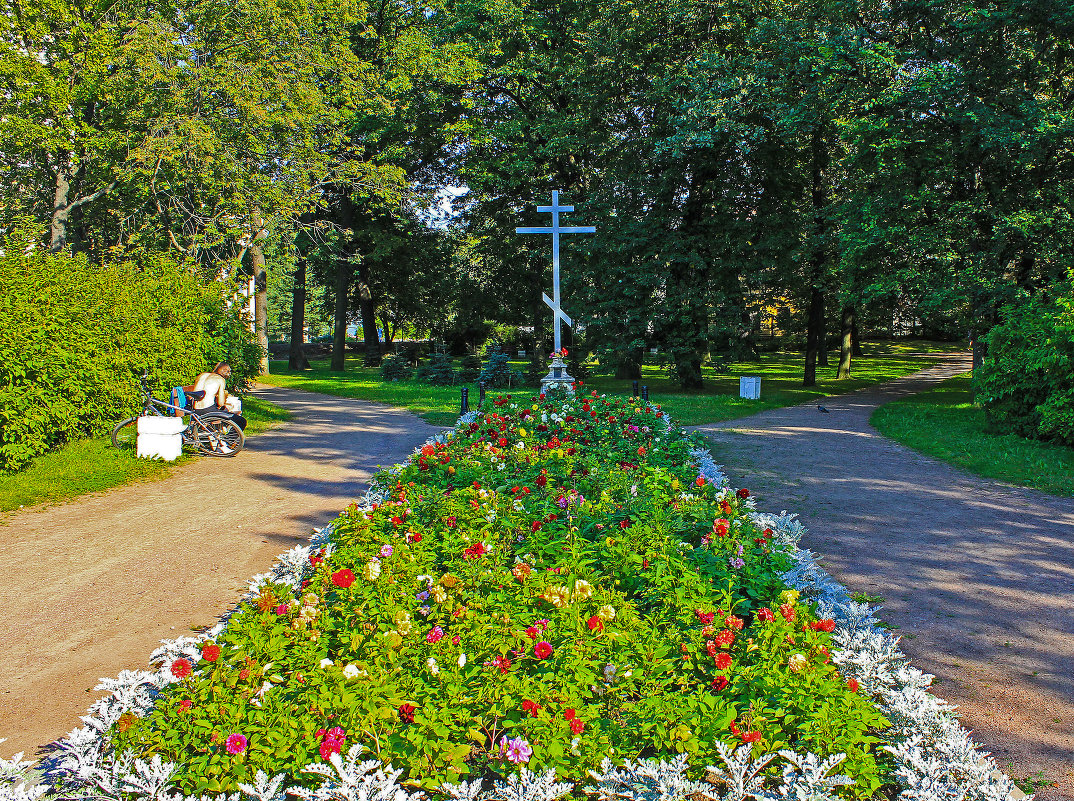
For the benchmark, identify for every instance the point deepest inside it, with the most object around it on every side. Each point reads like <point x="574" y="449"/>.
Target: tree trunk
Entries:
<point x="260" y="272"/>
<point x="61" y="210"/>
<point x="339" y="339"/>
<point x="296" y="359"/>
<point x="814" y="335"/>
<point x="847" y="346"/>
<point x="368" y="310"/>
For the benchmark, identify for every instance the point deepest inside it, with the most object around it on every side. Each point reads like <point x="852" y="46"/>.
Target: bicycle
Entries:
<point x="209" y="434"/>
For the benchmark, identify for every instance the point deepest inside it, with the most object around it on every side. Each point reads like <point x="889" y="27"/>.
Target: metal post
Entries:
<point x="645" y="394"/>
<point x="481" y="397"/>
<point x="465" y="400"/>
<point x="634" y="390"/>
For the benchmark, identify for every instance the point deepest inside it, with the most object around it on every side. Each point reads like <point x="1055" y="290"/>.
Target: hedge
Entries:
<point x="74" y="336"/>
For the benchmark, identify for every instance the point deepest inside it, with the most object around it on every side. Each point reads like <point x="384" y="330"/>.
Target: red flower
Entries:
<point x="414" y="536"/>
<point x="641" y="451"/>
<point x="644" y="563"/>
<point x="542" y="650"/>
<point x="531" y="708"/>
<point x="719" y="683"/>
<point x="577" y="726"/>
<point x="569" y="714"/>
<point x="765" y="615"/>
<point x="541" y="480"/>
<point x="502" y="442"/>
<point x="751" y="737"/>
<point x="595" y="623"/>
<point x="536" y="525"/>
<point x="733" y="622"/>
<point x="397" y="521"/>
<point x="700" y="481"/>
<point x="852" y="684"/>
<point x="427" y="450"/>
<point x="533" y="632"/>
<point x="181" y="668"/>
<point x="710" y="646"/>
<point x="343" y="578"/>
<point x="743" y="493"/>
<point x="624" y="523"/>
<point x="406" y="712"/>
<point x="705" y="617"/>
<point x="720" y="527"/>
<point x="823" y="625"/>
<point x="244" y="674"/>
<point x="787" y="611"/>
<point x="186" y="703"/>
<point x="725" y="638"/>
<point x="210" y="653"/>
<point x="723" y="661"/>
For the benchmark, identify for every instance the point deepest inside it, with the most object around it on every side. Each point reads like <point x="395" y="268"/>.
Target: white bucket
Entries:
<point x="160" y="425"/>
<point x="160" y="446"/>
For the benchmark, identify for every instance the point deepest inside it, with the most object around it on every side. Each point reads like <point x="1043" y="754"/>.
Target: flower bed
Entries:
<point x="563" y="588"/>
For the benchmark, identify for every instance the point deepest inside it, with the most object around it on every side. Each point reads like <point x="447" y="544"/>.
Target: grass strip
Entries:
<point x="93" y="465"/>
<point x="780" y="373"/>
<point x="946" y="424"/>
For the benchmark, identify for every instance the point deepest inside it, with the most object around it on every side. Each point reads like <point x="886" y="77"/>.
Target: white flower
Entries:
<point x="351" y="671"/>
<point x="371" y="571"/>
<point x="462" y="660"/>
<point x="433" y="667"/>
<point x="326" y="662"/>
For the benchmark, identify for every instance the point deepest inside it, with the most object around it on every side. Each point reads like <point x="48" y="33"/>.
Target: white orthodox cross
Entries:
<point x="554" y="301"/>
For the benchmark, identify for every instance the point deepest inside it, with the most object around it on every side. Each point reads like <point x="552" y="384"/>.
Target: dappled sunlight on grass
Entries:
<point x="946" y="424"/>
<point x="780" y="373"/>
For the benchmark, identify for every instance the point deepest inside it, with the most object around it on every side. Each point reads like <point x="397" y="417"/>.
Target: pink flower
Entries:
<point x="435" y="634"/>
<point x="386" y="551"/>
<point x="456" y="640"/>
<point x="282" y="609"/>
<point x="236" y="744"/>
<point x="542" y="650"/>
<point x="516" y="750"/>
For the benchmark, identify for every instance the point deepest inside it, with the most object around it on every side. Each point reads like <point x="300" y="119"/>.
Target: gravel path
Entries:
<point x="977" y="575"/>
<point x="91" y="586"/>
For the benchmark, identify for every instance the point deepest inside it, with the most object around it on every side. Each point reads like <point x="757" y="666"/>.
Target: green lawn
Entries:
<point x="946" y="424"/>
<point x="93" y="465"/>
<point x="781" y="379"/>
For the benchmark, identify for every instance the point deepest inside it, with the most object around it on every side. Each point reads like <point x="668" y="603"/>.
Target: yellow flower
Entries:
<point x="582" y="590"/>
<point x="402" y="617"/>
<point x="439" y="594"/>
<point x="448" y="580"/>
<point x="606" y="612"/>
<point x="789" y="596"/>
<point x="609" y="541"/>
<point x="559" y="596"/>
<point x="522" y="432"/>
<point x="395" y="639"/>
<point x="675" y="485"/>
<point x="404" y="628"/>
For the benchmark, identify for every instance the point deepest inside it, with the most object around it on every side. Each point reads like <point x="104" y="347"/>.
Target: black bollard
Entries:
<point x="465" y="400"/>
<point x="634" y="390"/>
<point x="645" y="394"/>
<point x="481" y="397"/>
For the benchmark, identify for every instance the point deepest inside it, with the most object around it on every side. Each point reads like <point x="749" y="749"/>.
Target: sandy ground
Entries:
<point x="90" y="587"/>
<point x="978" y="575"/>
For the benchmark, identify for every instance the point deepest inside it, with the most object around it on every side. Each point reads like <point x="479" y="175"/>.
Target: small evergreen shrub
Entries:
<point x="438" y="370"/>
<point x="497" y="371"/>
<point x="74" y="336"/>
<point x="1026" y="384"/>
<point x="471" y="368"/>
<point x="394" y="368"/>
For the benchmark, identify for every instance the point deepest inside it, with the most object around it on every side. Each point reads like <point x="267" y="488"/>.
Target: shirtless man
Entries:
<point x="214" y="385"/>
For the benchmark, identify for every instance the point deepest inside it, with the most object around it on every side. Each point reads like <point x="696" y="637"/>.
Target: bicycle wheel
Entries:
<point x="218" y="436"/>
<point x="125" y="434"/>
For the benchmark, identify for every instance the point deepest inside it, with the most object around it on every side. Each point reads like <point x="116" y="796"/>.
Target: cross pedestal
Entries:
<point x="557" y="377"/>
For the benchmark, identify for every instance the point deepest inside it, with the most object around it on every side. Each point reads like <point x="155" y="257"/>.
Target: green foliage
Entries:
<point x="395" y="368"/>
<point x="497" y="371"/>
<point x="438" y="370"/>
<point x="470" y="367"/>
<point x="594" y="602"/>
<point x="74" y="336"/>
<point x="1026" y="384"/>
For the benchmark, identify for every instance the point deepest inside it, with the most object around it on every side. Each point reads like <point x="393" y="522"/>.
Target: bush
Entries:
<point x="395" y="368"/>
<point x="471" y="368"/>
<point x="438" y="370"/>
<point x="74" y="336"/>
<point x="498" y="372"/>
<point x="1026" y="384"/>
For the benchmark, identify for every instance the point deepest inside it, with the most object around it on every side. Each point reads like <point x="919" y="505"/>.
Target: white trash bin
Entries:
<point x="749" y="387"/>
<point x="160" y="437"/>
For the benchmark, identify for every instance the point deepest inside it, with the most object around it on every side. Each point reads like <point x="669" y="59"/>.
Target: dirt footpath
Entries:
<point x="977" y="575"/>
<point x="91" y="586"/>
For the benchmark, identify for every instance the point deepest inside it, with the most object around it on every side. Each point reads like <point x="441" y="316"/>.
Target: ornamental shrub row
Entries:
<point x="74" y="336"/>
<point x="551" y="586"/>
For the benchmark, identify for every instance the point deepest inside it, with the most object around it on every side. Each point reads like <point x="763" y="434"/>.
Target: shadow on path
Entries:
<point x="977" y="575"/>
<point x="92" y="585"/>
